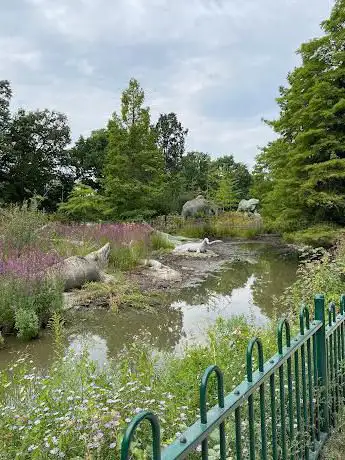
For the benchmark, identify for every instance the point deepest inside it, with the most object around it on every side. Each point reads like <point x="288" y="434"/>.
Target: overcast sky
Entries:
<point x="216" y="63"/>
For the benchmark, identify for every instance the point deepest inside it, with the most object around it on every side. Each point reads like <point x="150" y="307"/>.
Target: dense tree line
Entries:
<point x="301" y="175"/>
<point x="129" y="168"/>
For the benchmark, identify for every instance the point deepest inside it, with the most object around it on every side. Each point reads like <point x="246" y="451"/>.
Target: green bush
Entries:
<point x="321" y="235"/>
<point x="138" y="215"/>
<point x="226" y="225"/>
<point x="27" y="324"/>
<point x="159" y="241"/>
<point x="84" y="204"/>
<point x="41" y="297"/>
<point x="127" y="257"/>
<point x="19" y="225"/>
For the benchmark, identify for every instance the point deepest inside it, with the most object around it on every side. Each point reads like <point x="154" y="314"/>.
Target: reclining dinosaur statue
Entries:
<point x="76" y="271"/>
<point x="195" y="247"/>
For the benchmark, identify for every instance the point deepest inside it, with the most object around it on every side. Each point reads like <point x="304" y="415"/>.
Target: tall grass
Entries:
<point x="227" y="225"/>
<point x="320" y="235"/>
<point x="30" y="245"/>
<point x="27" y="296"/>
<point x="19" y="226"/>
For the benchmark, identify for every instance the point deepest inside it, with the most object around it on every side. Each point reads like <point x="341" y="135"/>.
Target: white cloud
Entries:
<point x="14" y="52"/>
<point x="216" y="63"/>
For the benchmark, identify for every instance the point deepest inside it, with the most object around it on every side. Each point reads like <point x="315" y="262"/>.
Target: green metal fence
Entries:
<point x="291" y="400"/>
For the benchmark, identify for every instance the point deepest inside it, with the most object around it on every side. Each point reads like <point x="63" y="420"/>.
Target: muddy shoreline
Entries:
<point x="194" y="268"/>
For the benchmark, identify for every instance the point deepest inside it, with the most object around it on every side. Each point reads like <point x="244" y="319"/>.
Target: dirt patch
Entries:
<point x="194" y="267"/>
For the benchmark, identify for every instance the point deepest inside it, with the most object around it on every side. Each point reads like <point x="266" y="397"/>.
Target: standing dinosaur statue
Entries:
<point x="196" y="247"/>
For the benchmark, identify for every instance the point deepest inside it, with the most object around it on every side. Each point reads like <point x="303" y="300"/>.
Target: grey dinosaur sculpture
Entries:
<point x="195" y="247"/>
<point x="157" y="270"/>
<point x="76" y="271"/>
<point x="198" y="206"/>
<point x="249" y="206"/>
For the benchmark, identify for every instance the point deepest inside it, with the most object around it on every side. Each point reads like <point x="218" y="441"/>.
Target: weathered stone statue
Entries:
<point x="199" y="206"/>
<point x="157" y="270"/>
<point x="195" y="247"/>
<point x="248" y="206"/>
<point x="76" y="271"/>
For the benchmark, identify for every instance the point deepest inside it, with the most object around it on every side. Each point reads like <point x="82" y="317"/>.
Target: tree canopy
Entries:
<point x="302" y="173"/>
<point x="129" y="169"/>
<point x="171" y="138"/>
<point x="134" y="164"/>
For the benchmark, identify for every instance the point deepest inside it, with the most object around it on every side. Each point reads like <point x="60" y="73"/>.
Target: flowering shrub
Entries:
<point x="117" y="234"/>
<point x="28" y="297"/>
<point x="19" y="225"/>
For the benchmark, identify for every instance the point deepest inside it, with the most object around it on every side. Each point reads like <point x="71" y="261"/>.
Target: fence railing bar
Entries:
<point x="197" y="432"/>
<point x="311" y="389"/>
<point x="273" y="418"/>
<point x="340" y="319"/>
<point x="304" y="398"/>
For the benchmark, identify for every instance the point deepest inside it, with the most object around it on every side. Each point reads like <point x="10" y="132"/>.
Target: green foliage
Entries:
<point x="37" y="155"/>
<point x="74" y="389"/>
<point x="159" y="241"/>
<point x="56" y="324"/>
<point x="119" y="294"/>
<point x="5" y="116"/>
<point x="27" y="324"/>
<point x="171" y="140"/>
<point x="84" y="204"/>
<point x="335" y="446"/>
<point x="195" y="171"/>
<point x="134" y="168"/>
<point x="226" y="196"/>
<point x="19" y="225"/>
<point x="138" y="215"/>
<point x="41" y="298"/>
<point x="225" y="169"/>
<point x="321" y="235"/>
<point x="87" y="157"/>
<point x="320" y="272"/>
<point x="226" y="225"/>
<point x="302" y="174"/>
<point x="127" y="257"/>
<point x="130" y="170"/>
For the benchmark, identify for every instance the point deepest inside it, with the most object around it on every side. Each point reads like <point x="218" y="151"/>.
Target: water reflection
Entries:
<point x="243" y="287"/>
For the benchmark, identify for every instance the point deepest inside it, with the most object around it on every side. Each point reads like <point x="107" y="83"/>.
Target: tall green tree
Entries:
<point x="37" y="160"/>
<point x="195" y="171"/>
<point x="226" y="167"/>
<point x="171" y="136"/>
<point x="83" y="204"/>
<point x="227" y="193"/>
<point x="5" y="119"/>
<point x="5" y="115"/>
<point x="134" y="168"/>
<point x="306" y="164"/>
<point x="87" y="157"/>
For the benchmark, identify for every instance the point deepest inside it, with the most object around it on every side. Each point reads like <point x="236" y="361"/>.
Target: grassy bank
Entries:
<point x="226" y="225"/>
<point x="322" y="235"/>
<point x="30" y="245"/>
<point x="76" y="411"/>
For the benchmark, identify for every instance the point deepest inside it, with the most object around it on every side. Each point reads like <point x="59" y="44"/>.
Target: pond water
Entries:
<point x="245" y="286"/>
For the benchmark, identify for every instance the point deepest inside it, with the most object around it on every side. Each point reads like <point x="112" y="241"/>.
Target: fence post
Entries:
<point x="321" y="362"/>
